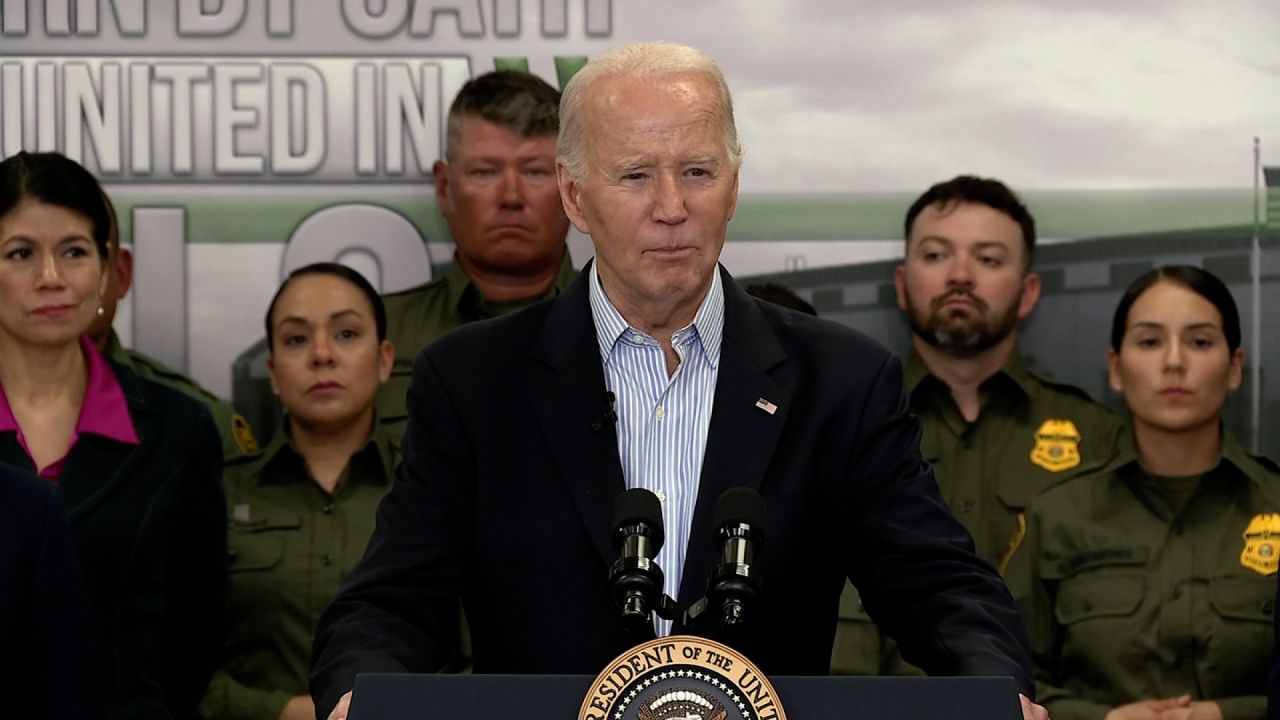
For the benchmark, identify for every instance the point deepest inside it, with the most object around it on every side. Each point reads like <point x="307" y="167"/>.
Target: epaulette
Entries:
<point x="1265" y="462"/>
<point x="1066" y="388"/>
<point x="240" y="461"/>
<point x="399" y="294"/>
<point x="168" y="375"/>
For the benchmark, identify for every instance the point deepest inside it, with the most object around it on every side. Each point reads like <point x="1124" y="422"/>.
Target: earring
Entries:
<point x="101" y="311"/>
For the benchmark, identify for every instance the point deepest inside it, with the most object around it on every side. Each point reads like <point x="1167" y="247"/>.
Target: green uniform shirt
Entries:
<point x="290" y="544"/>
<point x="1126" y="598"/>
<point x="419" y="315"/>
<point x="1030" y="433"/>
<point x="236" y="435"/>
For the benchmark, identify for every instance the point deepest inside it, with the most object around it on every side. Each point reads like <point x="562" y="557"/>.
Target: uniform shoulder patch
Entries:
<point x="1057" y="445"/>
<point x="1261" y="552"/>
<point x="243" y="434"/>
<point x="1266" y="462"/>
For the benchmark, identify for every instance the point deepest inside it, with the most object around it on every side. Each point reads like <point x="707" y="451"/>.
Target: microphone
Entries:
<point x="739" y="537"/>
<point x="610" y="415"/>
<point x="635" y="580"/>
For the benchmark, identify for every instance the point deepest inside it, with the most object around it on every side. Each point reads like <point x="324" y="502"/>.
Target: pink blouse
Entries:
<point x="104" y="412"/>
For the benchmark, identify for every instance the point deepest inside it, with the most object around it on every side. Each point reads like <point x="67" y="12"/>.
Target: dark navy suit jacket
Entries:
<point x="505" y="499"/>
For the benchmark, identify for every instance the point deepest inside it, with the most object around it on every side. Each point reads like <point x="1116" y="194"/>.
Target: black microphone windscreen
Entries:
<point x="638" y="505"/>
<point x="739" y="505"/>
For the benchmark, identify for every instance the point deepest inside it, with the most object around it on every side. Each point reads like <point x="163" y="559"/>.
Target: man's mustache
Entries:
<point x="939" y="301"/>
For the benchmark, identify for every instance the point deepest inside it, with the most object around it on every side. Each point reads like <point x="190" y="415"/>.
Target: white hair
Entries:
<point x="643" y="60"/>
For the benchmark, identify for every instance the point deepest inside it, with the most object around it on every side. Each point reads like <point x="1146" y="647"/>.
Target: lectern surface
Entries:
<point x="558" y="697"/>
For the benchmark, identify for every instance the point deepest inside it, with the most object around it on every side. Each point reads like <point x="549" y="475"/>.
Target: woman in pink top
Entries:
<point x="136" y="464"/>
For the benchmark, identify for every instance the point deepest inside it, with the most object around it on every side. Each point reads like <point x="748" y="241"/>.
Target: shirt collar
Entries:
<point x="104" y="410"/>
<point x="460" y="288"/>
<point x="1015" y="369"/>
<point x="707" y="325"/>
<point x="915" y="371"/>
<point x="465" y="297"/>
<point x="1231" y="455"/>
<point x="282" y="450"/>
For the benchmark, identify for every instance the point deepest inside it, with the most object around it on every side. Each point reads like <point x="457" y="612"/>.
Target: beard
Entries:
<point x="962" y="332"/>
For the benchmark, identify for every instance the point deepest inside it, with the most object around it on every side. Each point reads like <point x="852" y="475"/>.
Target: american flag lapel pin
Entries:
<point x="766" y="406"/>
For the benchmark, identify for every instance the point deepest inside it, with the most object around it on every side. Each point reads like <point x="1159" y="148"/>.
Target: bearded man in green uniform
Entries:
<point x="237" y="437"/>
<point x="996" y="432"/>
<point x="497" y="191"/>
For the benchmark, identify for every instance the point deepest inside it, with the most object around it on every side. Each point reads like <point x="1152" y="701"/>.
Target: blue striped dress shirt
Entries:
<point x="663" y="421"/>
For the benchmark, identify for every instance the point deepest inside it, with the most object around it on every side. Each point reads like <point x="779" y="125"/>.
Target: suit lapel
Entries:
<point x="97" y="466"/>
<point x="742" y="436"/>
<point x="565" y="384"/>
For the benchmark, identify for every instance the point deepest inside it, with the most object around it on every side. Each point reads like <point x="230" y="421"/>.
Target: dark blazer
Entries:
<point x="47" y="660"/>
<point x="150" y="527"/>
<point x="506" y="491"/>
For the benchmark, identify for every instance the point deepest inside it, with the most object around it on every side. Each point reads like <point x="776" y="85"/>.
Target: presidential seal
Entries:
<point x="681" y="678"/>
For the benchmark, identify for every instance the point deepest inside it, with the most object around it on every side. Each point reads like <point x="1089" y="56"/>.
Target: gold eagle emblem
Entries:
<point x="1057" y="445"/>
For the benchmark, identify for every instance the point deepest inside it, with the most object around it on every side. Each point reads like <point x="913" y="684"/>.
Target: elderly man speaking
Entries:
<point x="513" y="456"/>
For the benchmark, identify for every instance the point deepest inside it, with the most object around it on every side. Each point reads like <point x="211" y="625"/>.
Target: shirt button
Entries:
<point x="1267" y="607"/>
<point x="966" y="507"/>
<point x="1177" y="593"/>
<point x="638" y="338"/>
<point x="660" y="413"/>
<point x="327" y="508"/>
<point x="326" y="560"/>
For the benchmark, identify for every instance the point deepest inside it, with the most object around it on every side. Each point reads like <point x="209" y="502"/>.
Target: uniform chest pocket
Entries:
<point x="1243" y="598"/>
<point x="1005" y="522"/>
<point x="1097" y="595"/>
<point x="1242" y="635"/>
<point x="1015" y="490"/>
<point x="259" y="545"/>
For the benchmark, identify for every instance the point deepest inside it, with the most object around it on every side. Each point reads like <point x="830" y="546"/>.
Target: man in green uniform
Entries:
<point x="237" y="437"/>
<point x="497" y="191"/>
<point x="291" y="543"/>
<point x="996" y="432"/>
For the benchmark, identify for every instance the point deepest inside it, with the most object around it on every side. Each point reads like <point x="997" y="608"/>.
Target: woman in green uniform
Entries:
<point x="1148" y="587"/>
<point x="302" y="510"/>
